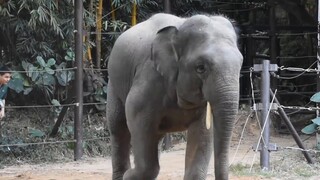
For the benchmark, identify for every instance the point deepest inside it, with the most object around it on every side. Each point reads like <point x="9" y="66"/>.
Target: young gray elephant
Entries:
<point x="162" y="73"/>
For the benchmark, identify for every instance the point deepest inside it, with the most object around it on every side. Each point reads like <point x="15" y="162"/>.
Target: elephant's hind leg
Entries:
<point x="119" y="134"/>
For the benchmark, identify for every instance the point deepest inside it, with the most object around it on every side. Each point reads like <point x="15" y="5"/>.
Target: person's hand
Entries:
<point x="2" y="113"/>
<point x="2" y="104"/>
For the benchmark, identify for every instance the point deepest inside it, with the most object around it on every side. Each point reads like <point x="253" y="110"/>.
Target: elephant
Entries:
<point x="162" y="73"/>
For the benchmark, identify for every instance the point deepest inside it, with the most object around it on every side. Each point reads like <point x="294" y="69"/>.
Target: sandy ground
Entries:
<point x="171" y="162"/>
<point x="285" y="163"/>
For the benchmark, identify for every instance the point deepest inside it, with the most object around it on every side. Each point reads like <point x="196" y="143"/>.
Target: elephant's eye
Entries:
<point x="201" y="68"/>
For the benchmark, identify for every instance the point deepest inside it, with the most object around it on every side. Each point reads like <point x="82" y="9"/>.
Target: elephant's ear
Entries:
<point x="164" y="53"/>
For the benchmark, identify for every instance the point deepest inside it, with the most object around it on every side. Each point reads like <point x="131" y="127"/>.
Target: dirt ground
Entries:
<point x="286" y="163"/>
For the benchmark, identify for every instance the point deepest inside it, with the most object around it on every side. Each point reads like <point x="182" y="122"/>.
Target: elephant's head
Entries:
<point x="201" y="58"/>
<point x="201" y="61"/>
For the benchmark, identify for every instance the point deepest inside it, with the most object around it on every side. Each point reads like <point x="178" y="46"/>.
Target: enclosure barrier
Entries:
<point x="265" y="68"/>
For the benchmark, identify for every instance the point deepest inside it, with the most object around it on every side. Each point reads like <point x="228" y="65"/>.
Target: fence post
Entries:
<point x="265" y="146"/>
<point x="78" y="131"/>
<point x="265" y="100"/>
<point x="318" y="54"/>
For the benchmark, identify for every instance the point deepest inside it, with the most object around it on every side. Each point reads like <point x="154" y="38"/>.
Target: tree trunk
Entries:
<point x="167" y="6"/>
<point x="98" y="34"/>
<point x="86" y="37"/>
<point x="134" y="14"/>
<point x="113" y="12"/>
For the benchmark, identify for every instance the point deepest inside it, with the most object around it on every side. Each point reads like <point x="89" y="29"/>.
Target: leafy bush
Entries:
<point x="44" y="75"/>
<point x="315" y="125"/>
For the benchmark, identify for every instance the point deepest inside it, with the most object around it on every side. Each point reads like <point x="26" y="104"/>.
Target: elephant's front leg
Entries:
<point x="199" y="151"/>
<point x="142" y="120"/>
<point x="144" y="142"/>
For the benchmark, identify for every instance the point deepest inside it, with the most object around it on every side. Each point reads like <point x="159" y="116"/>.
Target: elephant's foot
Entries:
<point x="135" y="174"/>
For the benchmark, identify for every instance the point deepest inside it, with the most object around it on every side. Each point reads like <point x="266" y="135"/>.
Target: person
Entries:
<point x="5" y="76"/>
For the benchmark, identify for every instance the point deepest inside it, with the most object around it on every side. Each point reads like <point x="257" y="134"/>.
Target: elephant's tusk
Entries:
<point x="208" y="116"/>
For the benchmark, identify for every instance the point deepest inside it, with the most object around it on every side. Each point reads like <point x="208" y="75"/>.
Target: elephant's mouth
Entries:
<point x="185" y="104"/>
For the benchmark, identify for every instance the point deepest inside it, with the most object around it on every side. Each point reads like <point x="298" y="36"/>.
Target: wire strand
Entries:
<point x="49" y="142"/>
<point x="261" y="134"/>
<point x="254" y="101"/>
<point x="241" y="138"/>
<point x="294" y="77"/>
<point x="49" y="106"/>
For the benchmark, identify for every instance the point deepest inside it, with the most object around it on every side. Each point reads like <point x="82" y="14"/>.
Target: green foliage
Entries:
<point x="315" y="97"/>
<point x="66" y="131"/>
<point x="57" y="106"/>
<point x="35" y="28"/>
<point x="44" y="75"/>
<point x="310" y="129"/>
<point x="315" y="125"/>
<point x="11" y="140"/>
<point x="36" y="133"/>
<point x="100" y="96"/>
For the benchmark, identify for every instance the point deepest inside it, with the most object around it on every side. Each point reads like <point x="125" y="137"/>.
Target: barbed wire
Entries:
<point x="280" y="35"/>
<point x="36" y="143"/>
<point x="262" y="131"/>
<point x="297" y="69"/>
<point x="309" y="69"/>
<point x="50" y="142"/>
<point x="233" y="3"/>
<point x="40" y="71"/>
<point x="53" y="105"/>
<point x="254" y="101"/>
<point x="300" y="108"/>
<point x="106" y="33"/>
<point x="241" y="138"/>
<point x="54" y="70"/>
<point x="295" y="34"/>
<point x="95" y="69"/>
<point x="299" y="149"/>
<point x="300" y="85"/>
<point x="296" y="57"/>
<point x="238" y="10"/>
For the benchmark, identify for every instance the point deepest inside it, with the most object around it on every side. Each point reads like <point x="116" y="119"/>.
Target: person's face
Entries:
<point x="5" y="78"/>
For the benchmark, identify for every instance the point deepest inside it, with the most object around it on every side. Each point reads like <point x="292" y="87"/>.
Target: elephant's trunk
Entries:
<point x="224" y="103"/>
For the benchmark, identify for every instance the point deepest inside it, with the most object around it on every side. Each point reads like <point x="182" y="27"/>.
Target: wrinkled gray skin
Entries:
<point x="162" y="72"/>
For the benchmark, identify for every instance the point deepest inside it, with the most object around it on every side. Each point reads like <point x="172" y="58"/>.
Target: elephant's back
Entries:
<point x="135" y="42"/>
<point x="133" y="48"/>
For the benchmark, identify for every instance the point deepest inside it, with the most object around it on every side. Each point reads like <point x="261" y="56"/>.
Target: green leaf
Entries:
<point x="316" y="121"/>
<point x="64" y="77"/>
<point x="49" y="70"/>
<point x="61" y="65"/>
<point x="311" y="128"/>
<point x="16" y="84"/>
<point x="51" y="62"/>
<point x="35" y="75"/>
<point x="25" y="65"/>
<point x="30" y="69"/>
<point x="99" y="98"/>
<point x="41" y="61"/>
<point x="70" y="130"/>
<point x="46" y="79"/>
<point x="27" y="91"/>
<point x="55" y="102"/>
<point x="105" y="89"/>
<point x="70" y="145"/>
<point x="70" y="55"/>
<point x="36" y="132"/>
<point x="315" y="97"/>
